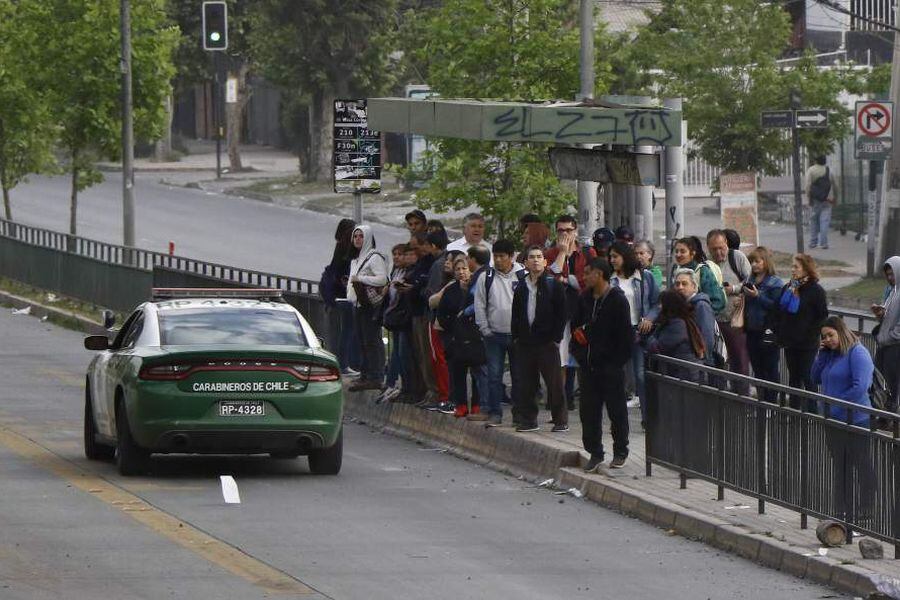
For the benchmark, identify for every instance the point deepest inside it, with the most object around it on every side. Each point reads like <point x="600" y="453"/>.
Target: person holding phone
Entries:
<point x="761" y="291"/>
<point x="887" y="334"/>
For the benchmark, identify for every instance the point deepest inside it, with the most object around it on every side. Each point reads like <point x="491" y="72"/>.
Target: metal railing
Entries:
<point x="147" y="259"/>
<point x="789" y="451"/>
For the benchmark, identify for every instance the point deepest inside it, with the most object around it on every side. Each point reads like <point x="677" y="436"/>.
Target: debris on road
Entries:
<point x="230" y="490"/>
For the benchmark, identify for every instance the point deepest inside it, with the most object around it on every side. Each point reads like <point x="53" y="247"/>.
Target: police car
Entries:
<point x="214" y="372"/>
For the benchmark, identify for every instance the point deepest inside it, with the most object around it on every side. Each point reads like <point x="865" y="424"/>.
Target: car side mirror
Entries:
<point x="109" y="319"/>
<point x="96" y="342"/>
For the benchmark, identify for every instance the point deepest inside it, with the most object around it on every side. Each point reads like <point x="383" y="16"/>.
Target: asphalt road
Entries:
<point x="204" y="225"/>
<point x="402" y="521"/>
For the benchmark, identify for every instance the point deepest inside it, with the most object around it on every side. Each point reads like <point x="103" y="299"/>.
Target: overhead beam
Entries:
<point x="556" y="123"/>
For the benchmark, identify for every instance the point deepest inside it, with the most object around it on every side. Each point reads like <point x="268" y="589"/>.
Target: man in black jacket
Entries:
<point x="538" y="318"/>
<point x="602" y="327"/>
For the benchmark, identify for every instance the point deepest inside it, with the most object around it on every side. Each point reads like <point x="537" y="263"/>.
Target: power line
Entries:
<point x="838" y="8"/>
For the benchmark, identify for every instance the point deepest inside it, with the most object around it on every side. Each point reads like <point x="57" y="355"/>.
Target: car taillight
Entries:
<point x="165" y="372"/>
<point x="314" y="372"/>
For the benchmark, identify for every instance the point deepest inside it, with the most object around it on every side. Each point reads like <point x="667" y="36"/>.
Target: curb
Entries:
<point x="57" y="316"/>
<point x="522" y="454"/>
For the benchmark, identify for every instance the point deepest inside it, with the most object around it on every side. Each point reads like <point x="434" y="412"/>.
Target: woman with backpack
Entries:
<point x="642" y="294"/>
<point x="688" y="254"/>
<point x="802" y="309"/>
<point x="368" y="280"/>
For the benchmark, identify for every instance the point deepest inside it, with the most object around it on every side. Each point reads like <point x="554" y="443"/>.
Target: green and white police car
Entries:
<point x="213" y="372"/>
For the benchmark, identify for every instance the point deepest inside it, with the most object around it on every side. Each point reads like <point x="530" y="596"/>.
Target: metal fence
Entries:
<point x="789" y="451"/>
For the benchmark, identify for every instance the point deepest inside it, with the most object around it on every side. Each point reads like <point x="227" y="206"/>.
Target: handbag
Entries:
<point x="369" y="296"/>
<point x="467" y="345"/>
<point x="737" y="317"/>
<point x="398" y="317"/>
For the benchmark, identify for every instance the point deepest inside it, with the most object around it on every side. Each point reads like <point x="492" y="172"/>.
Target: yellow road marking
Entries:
<point x="212" y="549"/>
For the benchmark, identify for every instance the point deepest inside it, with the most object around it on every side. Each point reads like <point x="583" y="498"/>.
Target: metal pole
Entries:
<point x="643" y="225"/>
<point x="127" y="129"/>
<point x="216" y="115"/>
<point x="357" y="207"/>
<point x="587" y="190"/>
<point x="874" y="206"/>
<point x="674" y="157"/>
<point x="798" y="191"/>
<point x="886" y="240"/>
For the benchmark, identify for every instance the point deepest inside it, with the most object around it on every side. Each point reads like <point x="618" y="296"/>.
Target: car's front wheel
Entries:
<point x="327" y="461"/>
<point x="131" y="459"/>
<point x="92" y="449"/>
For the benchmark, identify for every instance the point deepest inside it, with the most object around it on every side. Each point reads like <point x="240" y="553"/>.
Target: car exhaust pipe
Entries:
<point x="304" y="442"/>
<point x="180" y="441"/>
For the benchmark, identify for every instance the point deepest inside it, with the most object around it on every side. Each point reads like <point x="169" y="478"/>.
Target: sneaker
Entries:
<point x="348" y="372"/>
<point x="494" y="421"/>
<point x="391" y="393"/>
<point x="526" y="427"/>
<point x="433" y="406"/>
<point x="635" y="402"/>
<point x="593" y="463"/>
<point x="560" y="428"/>
<point x="460" y="411"/>
<point x="447" y="408"/>
<point x="617" y="463"/>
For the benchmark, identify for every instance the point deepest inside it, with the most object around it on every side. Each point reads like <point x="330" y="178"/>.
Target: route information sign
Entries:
<point x="357" y="150"/>
<point x="874" y="137"/>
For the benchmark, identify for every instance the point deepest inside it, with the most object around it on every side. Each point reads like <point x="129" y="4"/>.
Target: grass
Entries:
<point x="860" y="295"/>
<point x="87" y="310"/>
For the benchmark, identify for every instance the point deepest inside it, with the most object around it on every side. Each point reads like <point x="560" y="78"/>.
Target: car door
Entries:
<point x="105" y="380"/>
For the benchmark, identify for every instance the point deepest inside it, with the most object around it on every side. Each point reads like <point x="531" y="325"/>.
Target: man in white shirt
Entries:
<point x="473" y="234"/>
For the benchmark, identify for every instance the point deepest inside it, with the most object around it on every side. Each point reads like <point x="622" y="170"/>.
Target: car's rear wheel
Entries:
<point x="327" y="461"/>
<point x="131" y="459"/>
<point x="93" y="450"/>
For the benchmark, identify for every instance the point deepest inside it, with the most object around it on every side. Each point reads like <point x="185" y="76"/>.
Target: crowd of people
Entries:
<point x="583" y="319"/>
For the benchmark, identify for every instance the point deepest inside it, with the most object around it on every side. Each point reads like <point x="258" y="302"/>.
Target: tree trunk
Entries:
<point x="163" y="146"/>
<point x="73" y="206"/>
<point x="7" y="207"/>
<point x="233" y="113"/>
<point x="321" y="136"/>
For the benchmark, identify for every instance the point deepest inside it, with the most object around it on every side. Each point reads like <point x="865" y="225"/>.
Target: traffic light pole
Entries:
<point x="127" y="129"/>
<point x="217" y="118"/>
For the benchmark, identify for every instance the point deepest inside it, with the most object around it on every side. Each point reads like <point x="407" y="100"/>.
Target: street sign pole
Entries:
<point x="127" y="132"/>
<point x="876" y="168"/>
<point x="798" y="188"/>
<point x="357" y="208"/>
<point x="587" y="190"/>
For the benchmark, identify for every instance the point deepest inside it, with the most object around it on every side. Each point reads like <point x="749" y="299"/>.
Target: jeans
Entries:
<point x="605" y="386"/>
<point x="887" y="359"/>
<point x="368" y="329"/>
<point x="738" y="359"/>
<point x="819" y="223"/>
<point x="799" y="363"/>
<point x="637" y="369"/>
<point x="344" y="340"/>
<point x="401" y="359"/>
<point x="764" y="359"/>
<point x="497" y="347"/>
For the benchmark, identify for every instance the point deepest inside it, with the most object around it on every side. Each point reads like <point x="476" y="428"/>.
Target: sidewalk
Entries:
<point x="773" y="539"/>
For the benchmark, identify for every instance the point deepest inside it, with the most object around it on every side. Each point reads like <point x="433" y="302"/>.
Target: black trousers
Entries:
<point x="605" y="386"/>
<point x="799" y="363"/>
<point x="533" y="361"/>
<point x="887" y="358"/>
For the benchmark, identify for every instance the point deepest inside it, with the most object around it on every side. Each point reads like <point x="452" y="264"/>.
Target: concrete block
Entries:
<point x="612" y="498"/>
<point x="696" y="526"/>
<point x="628" y="504"/>
<point x="771" y="553"/>
<point x="844" y="579"/>
<point x="645" y="510"/>
<point x="794" y="563"/>
<point x="747" y="546"/>
<point x="819" y="569"/>
<point x="664" y="517"/>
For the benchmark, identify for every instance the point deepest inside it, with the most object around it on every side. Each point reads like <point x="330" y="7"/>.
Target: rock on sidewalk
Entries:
<point x="871" y="549"/>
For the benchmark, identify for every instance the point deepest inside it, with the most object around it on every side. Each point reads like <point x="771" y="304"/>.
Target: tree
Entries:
<point x="196" y="65"/>
<point x="79" y="72"/>
<point x="499" y="49"/>
<point x="26" y="127"/>
<point x="322" y="50"/>
<point x="723" y="59"/>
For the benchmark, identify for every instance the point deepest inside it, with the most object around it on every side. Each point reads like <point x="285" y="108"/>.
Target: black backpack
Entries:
<point x="819" y="189"/>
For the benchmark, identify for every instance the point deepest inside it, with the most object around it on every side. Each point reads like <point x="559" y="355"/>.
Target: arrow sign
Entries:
<point x="771" y="119"/>
<point x="812" y="119"/>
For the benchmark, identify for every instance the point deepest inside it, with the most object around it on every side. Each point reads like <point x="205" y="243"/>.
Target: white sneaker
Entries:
<point x="390" y="394"/>
<point x="634" y="402"/>
<point x="348" y="372"/>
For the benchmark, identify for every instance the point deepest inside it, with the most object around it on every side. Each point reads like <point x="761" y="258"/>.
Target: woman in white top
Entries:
<point x="368" y="281"/>
<point x="642" y="293"/>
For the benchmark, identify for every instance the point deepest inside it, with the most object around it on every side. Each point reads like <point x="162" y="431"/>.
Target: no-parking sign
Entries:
<point x="874" y="130"/>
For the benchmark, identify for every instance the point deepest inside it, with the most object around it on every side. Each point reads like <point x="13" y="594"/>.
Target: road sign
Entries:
<point x="874" y="137"/>
<point x="781" y="119"/>
<point x="357" y="150"/>
<point x="814" y="118"/>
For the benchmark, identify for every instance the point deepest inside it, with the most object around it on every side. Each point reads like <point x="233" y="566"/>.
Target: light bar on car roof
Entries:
<point x="263" y="294"/>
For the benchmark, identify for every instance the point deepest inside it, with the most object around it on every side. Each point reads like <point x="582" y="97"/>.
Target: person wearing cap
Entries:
<point x="602" y="239"/>
<point x="625" y="234"/>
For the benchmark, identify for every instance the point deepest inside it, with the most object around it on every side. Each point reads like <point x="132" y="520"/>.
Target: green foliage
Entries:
<point x="509" y="50"/>
<point x="26" y="126"/>
<point x="722" y="58"/>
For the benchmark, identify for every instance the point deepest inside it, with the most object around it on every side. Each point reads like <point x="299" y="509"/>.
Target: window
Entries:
<point x="876" y="10"/>
<point x="125" y="332"/>
<point x="237" y="326"/>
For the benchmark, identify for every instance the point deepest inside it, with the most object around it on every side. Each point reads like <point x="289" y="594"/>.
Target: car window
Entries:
<point x="230" y="326"/>
<point x="133" y="332"/>
<point x="126" y="329"/>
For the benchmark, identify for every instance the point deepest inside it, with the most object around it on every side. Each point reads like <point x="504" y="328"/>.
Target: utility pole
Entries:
<point x="798" y="188"/>
<point x="887" y="240"/>
<point x="587" y="190"/>
<point x="127" y="128"/>
<point x="674" y="157"/>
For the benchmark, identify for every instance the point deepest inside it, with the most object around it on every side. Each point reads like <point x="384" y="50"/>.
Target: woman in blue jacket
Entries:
<point x="843" y="369"/>
<point x="761" y="293"/>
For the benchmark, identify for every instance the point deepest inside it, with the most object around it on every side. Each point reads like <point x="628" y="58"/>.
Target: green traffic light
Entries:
<point x="215" y="36"/>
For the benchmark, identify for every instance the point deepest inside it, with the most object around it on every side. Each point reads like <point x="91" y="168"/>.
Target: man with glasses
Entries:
<point x="567" y="260"/>
<point x="538" y="319"/>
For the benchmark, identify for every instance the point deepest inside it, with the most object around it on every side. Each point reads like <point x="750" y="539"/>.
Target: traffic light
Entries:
<point x="215" y="26"/>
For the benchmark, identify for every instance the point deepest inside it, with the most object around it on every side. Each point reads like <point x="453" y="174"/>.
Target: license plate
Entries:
<point x="242" y="408"/>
